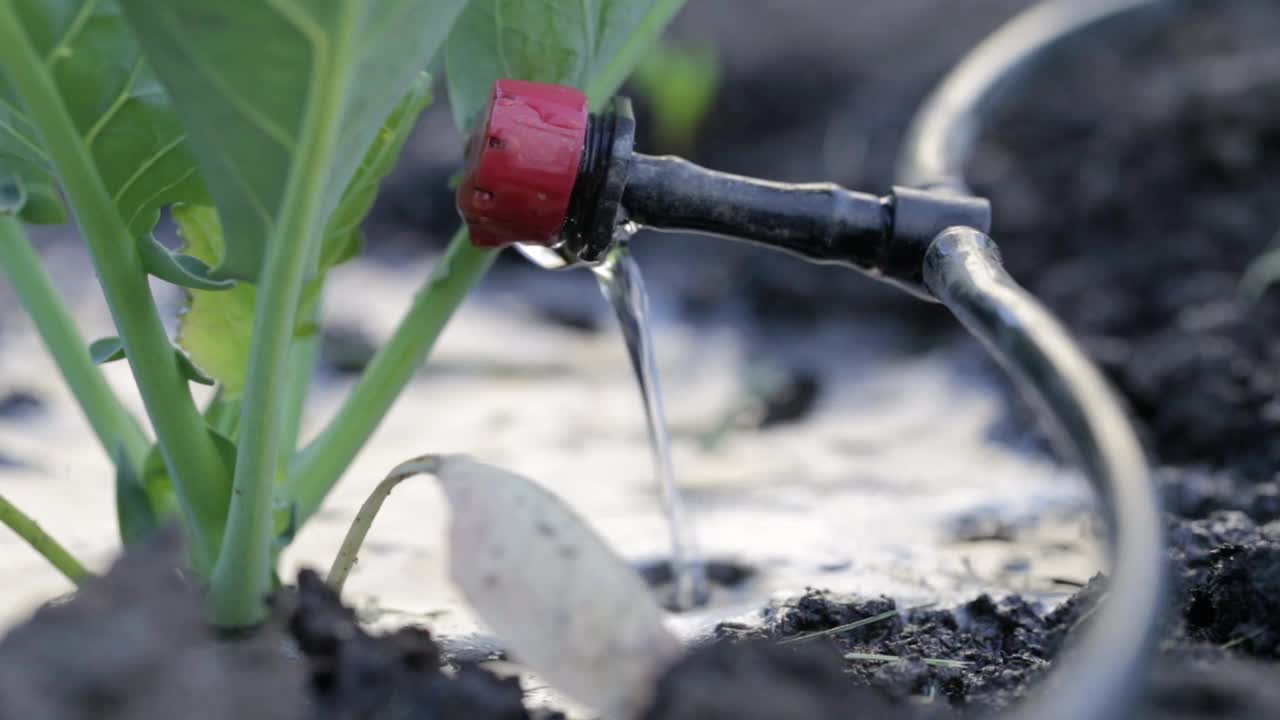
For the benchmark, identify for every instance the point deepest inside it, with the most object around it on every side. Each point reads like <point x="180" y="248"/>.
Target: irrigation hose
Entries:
<point x="942" y="136"/>
<point x="1100" y="676"/>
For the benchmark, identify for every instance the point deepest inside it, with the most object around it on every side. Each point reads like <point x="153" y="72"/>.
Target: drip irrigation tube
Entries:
<point x="943" y="133"/>
<point x="1101" y="675"/>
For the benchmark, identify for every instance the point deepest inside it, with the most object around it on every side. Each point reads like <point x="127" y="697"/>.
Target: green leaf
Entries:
<point x="13" y="195"/>
<point x="217" y="326"/>
<point x="284" y="520"/>
<point x="44" y="205"/>
<point x="110" y="349"/>
<point x="25" y="170"/>
<point x="135" y="514"/>
<point x="190" y="371"/>
<point x="158" y="487"/>
<point x="246" y="74"/>
<point x="554" y="41"/>
<point x="223" y="414"/>
<point x="183" y="270"/>
<point x="1261" y="275"/>
<point x="145" y="497"/>
<point x="105" y="350"/>
<point x="123" y="115"/>
<point x="680" y="84"/>
<point x="27" y="193"/>
<point x="342" y="238"/>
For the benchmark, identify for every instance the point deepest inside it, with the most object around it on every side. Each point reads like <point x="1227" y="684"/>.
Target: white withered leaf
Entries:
<point x="565" y="604"/>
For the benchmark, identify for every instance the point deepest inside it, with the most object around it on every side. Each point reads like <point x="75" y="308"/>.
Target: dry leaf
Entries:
<point x="551" y="589"/>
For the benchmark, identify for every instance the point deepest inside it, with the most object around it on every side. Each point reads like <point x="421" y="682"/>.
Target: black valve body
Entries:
<point x="884" y="236"/>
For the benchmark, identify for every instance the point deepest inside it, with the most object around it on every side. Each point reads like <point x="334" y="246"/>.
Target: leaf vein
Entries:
<point x="297" y="16"/>
<point x="119" y="102"/>
<point x="72" y="31"/>
<point x="39" y="151"/>
<point x="246" y="109"/>
<point x="249" y="193"/>
<point x="146" y="165"/>
<point x="151" y="198"/>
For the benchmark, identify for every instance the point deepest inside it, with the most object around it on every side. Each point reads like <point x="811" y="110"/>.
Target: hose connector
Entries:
<point x="547" y="176"/>
<point x="541" y="172"/>
<point x="521" y="164"/>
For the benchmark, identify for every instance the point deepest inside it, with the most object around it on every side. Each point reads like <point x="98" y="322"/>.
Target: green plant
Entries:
<point x="1261" y="275"/>
<point x="680" y="84"/>
<point x="266" y="126"/>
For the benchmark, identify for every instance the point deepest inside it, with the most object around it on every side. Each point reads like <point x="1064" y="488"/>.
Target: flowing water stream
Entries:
<point x="622" y="285"/>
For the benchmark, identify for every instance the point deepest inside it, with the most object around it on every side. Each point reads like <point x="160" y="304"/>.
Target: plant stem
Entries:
<point x="189" y="453"/>
<point x="318" y="467"/>
<point x="42" y="542"/>
<point x="302" y="363"/>
<point x="116" y="429"/>
<point x="350" y="550"/>
<point x="242" y="578"/>
<point x="302" y="358"/>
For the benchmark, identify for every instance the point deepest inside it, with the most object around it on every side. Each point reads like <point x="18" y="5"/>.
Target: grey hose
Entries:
<point x="1100" y="676"/>
<point x="941" y="138"/>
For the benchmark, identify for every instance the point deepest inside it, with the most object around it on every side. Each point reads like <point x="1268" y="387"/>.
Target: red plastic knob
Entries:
<point x="522" y="162"/>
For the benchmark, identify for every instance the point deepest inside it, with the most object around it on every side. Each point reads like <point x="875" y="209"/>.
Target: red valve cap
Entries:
<point x="521" y="164"/>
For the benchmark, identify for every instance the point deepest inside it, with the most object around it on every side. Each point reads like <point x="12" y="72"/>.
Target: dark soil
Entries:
<point x="1133" y="206"/>
<point x="133" y="644"/>
<point x="17" y="406"/>
<point x="809" y="684"/>
<point x="345" y="349"/>
<point x="1226" y="570"/>
<point x="352" y="674"/>
<point x="19" y="403"/>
